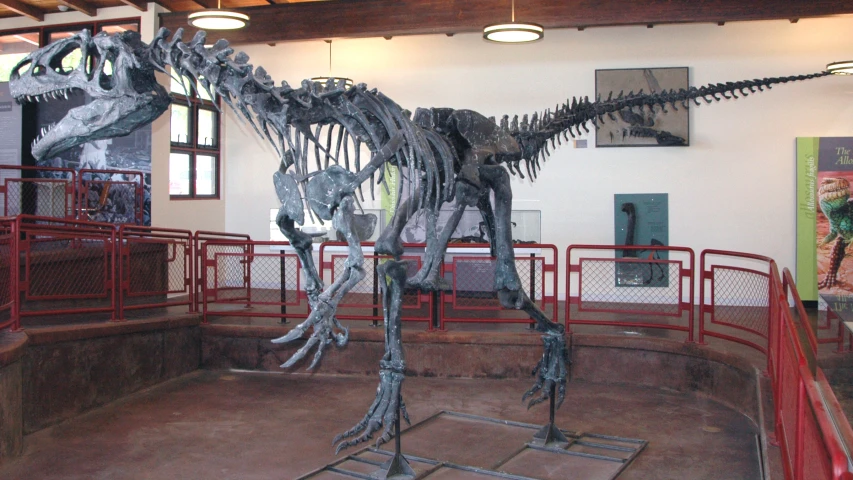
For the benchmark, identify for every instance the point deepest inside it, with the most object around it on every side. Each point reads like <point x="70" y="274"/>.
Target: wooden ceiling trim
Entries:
<point x="206" y="3"/>
<point x="24" y="9"/>
<point x="140" y="5"/>
<point x="375" y="18"/>
<point x="81" y="6"/>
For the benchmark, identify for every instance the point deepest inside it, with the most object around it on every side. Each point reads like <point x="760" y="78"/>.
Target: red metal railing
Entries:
<point x="232" y="241"/>
<point x="364" y="300"/>
<point x="57" y="267"/>
<point x="64" y="267"/>
<point x="155" y="268"/>
<point x="812" y="433"/>
<point x="734" y="289"/>
<point x="45" y="191"/>
<point x="471" y="271"/>
<point x="8" y="264"/>
<point x="112" y="196"/>
<point x="648" y="292"/>
<point x="251" y="279"/>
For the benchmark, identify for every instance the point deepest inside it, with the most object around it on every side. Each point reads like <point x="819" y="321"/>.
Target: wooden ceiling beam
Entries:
<point x="24" y="9"/>
<point x="379" y="18"/>
<point x="81" y="6"/>
<point x="206" y="3"/>
<point x="141" y="5"/>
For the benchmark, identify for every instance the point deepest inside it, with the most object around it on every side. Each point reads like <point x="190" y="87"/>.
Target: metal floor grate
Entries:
<point x="461" y="446"/>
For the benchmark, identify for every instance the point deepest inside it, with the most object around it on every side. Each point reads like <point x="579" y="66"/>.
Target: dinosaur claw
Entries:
<point x="289" y="337"/>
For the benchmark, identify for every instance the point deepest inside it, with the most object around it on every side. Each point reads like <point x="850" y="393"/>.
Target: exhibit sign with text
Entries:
<point x="824" y="219"/>
<point x="641" y="219"/>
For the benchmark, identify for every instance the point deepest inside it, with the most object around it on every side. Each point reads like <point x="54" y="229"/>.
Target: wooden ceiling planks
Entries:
<point x="373" y="18"/>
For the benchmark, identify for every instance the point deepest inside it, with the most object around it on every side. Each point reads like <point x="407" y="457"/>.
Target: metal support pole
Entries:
<point x="397" y="468"/>
<point x="532" y="325"/>
<point x="550" y="435"/>
<point x="375" y="291"/>
<point x="283" y="260"/>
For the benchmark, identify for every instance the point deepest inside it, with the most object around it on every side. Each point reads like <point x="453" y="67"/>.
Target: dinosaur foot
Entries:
<point x="326" y="328"/>
<point x="550" y="371"/>
<point x="383" y="411"/>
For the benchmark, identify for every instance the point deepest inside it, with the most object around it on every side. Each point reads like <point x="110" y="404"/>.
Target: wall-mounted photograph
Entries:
<point x="636" y="127"/>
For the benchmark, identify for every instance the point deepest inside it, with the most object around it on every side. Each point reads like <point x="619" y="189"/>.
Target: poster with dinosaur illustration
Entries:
<point x="641" y="219"/>
<point x="824" y="204"/>
<point x="636" y="127"/>
<point x="112" y="198"/>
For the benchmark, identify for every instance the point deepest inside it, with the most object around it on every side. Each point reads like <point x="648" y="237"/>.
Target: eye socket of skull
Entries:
<point x="71" y="51"/>
<point x="106" y="79"/>
<point x="21" y="68"/>
<point x="92" y="62"/>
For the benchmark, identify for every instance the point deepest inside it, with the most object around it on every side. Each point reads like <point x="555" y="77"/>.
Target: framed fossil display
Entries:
<point x="635" y="127"/>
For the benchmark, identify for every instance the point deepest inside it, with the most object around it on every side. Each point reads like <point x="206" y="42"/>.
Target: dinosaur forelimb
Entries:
<point x="835" y="258"/>
<point x="383" y="411"/>
<point x="322" y="318"/>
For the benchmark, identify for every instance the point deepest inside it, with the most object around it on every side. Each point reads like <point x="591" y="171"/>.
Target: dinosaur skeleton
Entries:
<point x="443" y="154"/>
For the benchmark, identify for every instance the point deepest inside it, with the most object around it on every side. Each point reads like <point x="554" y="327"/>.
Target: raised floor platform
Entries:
<point x="235" y="425"/>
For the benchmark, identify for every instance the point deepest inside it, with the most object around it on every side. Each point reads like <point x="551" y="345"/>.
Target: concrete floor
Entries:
<point x="232" y="425"/>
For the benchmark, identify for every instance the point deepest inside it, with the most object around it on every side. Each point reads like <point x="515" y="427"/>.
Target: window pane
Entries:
<point x="176" y="87"/>
<point x="13" y="48"/>
<point x="205" y="175"/>
<point x="206" y="128"/>
<point x="202" y="93"/>
<point x="180" y="123"/>
<point x="179" y="174"/>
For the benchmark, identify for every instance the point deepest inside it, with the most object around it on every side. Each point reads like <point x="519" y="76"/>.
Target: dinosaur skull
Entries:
<point x="112" y="70"/>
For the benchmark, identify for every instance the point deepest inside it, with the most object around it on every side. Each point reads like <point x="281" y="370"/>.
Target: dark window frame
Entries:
<point x="192" y="148"/>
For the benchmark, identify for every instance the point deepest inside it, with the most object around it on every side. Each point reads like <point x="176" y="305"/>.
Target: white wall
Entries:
<point x="732" y="188"/>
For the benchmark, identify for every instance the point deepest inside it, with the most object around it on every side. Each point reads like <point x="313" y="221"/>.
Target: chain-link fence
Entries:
<point x="111" y="196"/>
<point x="41" y="191"/>
<point x="231" y="242"/>
<point x="734" y="290"/>
<point x="155" y="268"/>
<point x="65" y="268"/>
<point x="471" y="272"/>
<point x="251" y="279"/>
<point x="649" y="287"/>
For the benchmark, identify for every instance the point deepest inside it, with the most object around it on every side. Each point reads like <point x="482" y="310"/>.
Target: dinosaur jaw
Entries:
<point x="100" y="119"/>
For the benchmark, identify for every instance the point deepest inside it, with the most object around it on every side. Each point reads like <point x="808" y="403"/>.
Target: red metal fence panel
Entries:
<point x="111" y="196"/>
<point x="42" y="191"/>
<point x="809" y="426"/>
<point x="363" y="301"/>
<point x="155" y="268"/>
<point x="66" y="267"/>
<point x="470" y="269"/>
<point x="233" y="242"/>
<point x="8" y="261"/>
<point x="734" y="291"/>
<point x="251" y="279"/>
<point x="630" y="292"/>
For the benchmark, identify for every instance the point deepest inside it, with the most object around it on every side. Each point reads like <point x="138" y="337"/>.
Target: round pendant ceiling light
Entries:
<point x="513" y="32"/>
<point x="841" y="68"/>
<point x="218" y="19"/>
<point x="324" y="79"/>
